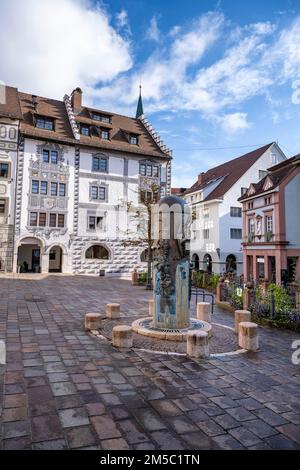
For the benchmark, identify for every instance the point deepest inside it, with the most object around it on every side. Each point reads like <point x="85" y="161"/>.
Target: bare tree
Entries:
<point x="149" y="194"/>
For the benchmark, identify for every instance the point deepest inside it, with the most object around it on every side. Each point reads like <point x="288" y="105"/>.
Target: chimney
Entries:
<point x="201" y="178"/>
<point x="76" y="100"/>
<point x="34" y="102"/>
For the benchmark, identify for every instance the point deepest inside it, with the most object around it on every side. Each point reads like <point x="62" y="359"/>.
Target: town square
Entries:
<point x="150" y="229"/>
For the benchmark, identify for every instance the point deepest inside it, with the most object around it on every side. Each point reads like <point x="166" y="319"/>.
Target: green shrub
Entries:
<point x="142" y="277"/>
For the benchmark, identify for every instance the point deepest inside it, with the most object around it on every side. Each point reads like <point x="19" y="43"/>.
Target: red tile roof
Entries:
<point x="277" y="175"/>
<point x="228" y="173"/>
<point x="11" y="106"/>
<point x="63" y="132"/>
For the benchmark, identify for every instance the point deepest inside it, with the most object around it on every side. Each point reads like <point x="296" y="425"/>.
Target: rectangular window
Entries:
<point x="269" y="224"/>
<point x="101" y="193"/>
<point x="104" y="135"/>
<point x="54" y="157"/>
<point x="62" y="189"/>
<point x="35" y="187"/>
<point x="236" y="233"/>
<point x="33" y="217"/>
<point x="243" y="191"/>
<point x="52" y="220"/>
<point x="61" y="220"/>
<point x="133" y="140"/>
<point x="44" y="186"/>
<point x="250" y="205"/>
<point x="101" y="117"/>
<point x="92" y="222"/>
<point x="95" y="222"/>
<point x="4" y="170"/>
<point x="206" y="233"/>
<point x="2" y="206"/>
<point x="85" y="130"/>
<point x="149" y="170"/>
<point x="46" y="156"/>
<point x="100" y="164"/>
<point x="94" y="192"/>
<point x="53" y="189"/>
<point x="268" y="200"/>
<point x="235" y="211"/>
<point x="42" y="219"/>
<point x="251" y="226"/>
<point x="206" y="212"/>
<point x="155" y="171"/>
<point x="45" y="123"/>
<point x="142" y="169"/>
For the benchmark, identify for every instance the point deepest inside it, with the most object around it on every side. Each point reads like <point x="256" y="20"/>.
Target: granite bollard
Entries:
<point x="239" y="316"/>
<point x="197" y="344"/>
<point x="93" y="321"/>
<point x="122" y="336"/>
<point x="248" y="336"/>
<point x="204" y="311"/>
<point x="113" y="311"/>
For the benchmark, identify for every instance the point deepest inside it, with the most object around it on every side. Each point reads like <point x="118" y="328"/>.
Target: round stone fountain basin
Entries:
<point x="143" y="326"/>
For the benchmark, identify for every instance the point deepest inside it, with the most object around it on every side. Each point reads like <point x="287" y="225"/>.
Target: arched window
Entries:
<point x="231" y="264"/>
<point x="144" y="256"/>
<point x="97" y="252"/>
<point x="207" y="263"/>
<point x="195" y="260"/>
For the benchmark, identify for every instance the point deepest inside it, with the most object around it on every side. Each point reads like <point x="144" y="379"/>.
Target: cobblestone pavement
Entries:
<point x="63" y="388"/>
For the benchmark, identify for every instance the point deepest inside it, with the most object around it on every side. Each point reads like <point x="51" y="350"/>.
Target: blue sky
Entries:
<point x="219" y="78"/>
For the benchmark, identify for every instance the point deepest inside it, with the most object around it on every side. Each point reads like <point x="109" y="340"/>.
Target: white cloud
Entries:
<point x="234" y="122"/>
<point x="286" y="52"/>
<point x="165" y="77"/>
<point x="153" y="32"/>
<point x="123" y="22"/>
<point x="53" y="46"/>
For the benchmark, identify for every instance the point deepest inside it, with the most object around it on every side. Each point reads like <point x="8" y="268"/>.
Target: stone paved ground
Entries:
<point x="62" y="388"/>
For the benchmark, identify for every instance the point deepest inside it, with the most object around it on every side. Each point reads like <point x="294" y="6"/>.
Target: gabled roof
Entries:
<point x="63" y="133"/>
<point x="276" y="175"/>
<point x="228" y="173"/>
<point x="10" y="107"/>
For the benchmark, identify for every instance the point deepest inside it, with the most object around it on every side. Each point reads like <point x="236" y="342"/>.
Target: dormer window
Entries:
<point x="102" y="118"/>
<point x="133" y="139"/>
<point x="44" y="123"/>
<point x="104" y="134"/>
<point x="85" y="130"/>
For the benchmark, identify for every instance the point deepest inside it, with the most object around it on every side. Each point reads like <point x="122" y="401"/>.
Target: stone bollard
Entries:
<point x="241" y="315"/>
<point x="134" y="278"/>
<point x="113" y="311"/>
<point x="122" y="336"/>
<point x="151" y="307"/>
<point x="219" y="291"/>
<point x="248" y="336"/>
<point x="93" y="321"/>
<point x="246" y="298"/>
<point x="204" y="311"/>
<point x="2" y="353"/>
<point x="197" y="344"/>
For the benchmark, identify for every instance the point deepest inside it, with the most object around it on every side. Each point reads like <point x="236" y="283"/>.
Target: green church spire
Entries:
<point x="139" y="109"/>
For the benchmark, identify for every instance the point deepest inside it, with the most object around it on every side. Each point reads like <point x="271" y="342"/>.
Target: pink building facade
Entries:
<point x="271" y="225"/>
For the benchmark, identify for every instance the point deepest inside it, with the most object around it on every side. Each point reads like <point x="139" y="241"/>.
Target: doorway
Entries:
<point x="29" y="256"/>
<point x="55" y="259"/>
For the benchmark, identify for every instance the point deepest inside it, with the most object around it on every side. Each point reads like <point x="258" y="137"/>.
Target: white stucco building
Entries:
<point x="79" y="176"/>
<point x="216" y="239"/>
<point x="10" y="116"/>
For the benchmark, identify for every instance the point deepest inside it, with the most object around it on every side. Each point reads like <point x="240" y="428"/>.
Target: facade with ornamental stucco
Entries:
<point x="79" y="174"/>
